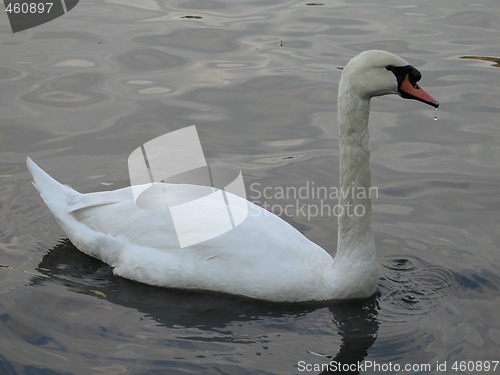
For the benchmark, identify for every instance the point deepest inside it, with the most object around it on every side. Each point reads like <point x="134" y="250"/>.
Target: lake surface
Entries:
<point x="259" y="80"/>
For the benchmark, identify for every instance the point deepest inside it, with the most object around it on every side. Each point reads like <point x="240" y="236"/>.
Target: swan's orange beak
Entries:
<point x="414" y="91"/>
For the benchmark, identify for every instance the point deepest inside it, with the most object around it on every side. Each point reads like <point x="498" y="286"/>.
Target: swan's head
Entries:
<point x="375" y="73"/>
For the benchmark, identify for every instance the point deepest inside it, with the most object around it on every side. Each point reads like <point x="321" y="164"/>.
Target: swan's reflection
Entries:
<point x="356" y="321"/>
<point x="358" y="325"/>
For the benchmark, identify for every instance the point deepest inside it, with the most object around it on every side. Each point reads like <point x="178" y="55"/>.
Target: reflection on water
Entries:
<point x="215" y="314"/>
<point x="409" y="290"/>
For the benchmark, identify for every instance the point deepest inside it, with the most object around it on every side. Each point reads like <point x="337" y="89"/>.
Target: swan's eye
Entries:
<point x="414" y="76"/>
<point x="406" y="71"/>
<point x="400" y="71"/>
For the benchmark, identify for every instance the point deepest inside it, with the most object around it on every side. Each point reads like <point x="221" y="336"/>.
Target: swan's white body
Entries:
<point x="264" y="257"/>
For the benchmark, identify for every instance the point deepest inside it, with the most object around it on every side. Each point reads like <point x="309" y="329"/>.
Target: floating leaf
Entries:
<point x="98" y="293"/>
<point x="495" y="60"/>
<point x="105" y="306"/>
<point x="13" y="268"/>
<point x="207" y="109"/>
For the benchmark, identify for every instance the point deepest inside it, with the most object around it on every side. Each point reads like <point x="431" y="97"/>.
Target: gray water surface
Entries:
<point x="259" y="79"/>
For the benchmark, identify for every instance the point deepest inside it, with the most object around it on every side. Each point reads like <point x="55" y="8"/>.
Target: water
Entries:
<point x="259" y="80"/>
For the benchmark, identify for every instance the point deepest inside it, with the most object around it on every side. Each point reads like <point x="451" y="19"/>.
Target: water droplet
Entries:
<point x="435" y="118"/>
<point x="409" y="298"/>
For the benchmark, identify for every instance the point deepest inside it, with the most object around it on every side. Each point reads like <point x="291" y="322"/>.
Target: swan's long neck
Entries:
<point x="355" y="236"/>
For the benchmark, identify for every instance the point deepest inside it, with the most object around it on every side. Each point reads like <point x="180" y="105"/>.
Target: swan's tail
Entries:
<point x="57" y="197"/>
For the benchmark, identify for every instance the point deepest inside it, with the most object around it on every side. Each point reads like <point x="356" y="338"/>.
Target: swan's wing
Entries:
<point x="63" y="199"/>
<point x="82" y="201"/>
<point x="188" y="218"/>
<point x="259" y="252"/>
<point x="251" y="229"/>
<point x="181" y="216"/>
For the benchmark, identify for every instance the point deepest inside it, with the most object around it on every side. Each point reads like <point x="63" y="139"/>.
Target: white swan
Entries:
<point x="264" y="257"/>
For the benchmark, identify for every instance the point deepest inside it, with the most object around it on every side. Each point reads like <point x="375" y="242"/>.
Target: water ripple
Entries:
<point x="148" y="59"/>
<point x="202" y="40"/>
<point x="412" y="287"/>
<point x="68" y="91"/>
<point x="9" y="73"/>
